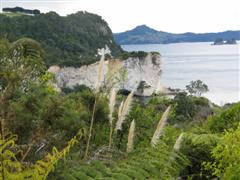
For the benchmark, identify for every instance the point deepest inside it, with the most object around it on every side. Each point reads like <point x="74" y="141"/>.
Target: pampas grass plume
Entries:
<point x="158" y="132"/>
<point x="112" y="101"/>
<point x="124" y="110"/>
<point x="131" y="137"/>
<point x="178" y="142"/>
<point x="100" y="70"/>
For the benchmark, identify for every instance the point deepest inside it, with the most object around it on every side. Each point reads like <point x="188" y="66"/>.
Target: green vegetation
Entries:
<point x="85" y="133"/>
<point x="227" y="118"/>
<point x="226" y="156"/>
<point x="197" y="88"/>
<point x="21" y="10"/>
<point x="12" y="14"/>
<point x="68" y="41"/>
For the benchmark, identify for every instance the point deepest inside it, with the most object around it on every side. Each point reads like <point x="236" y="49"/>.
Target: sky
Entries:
<point x="175" y="16"/>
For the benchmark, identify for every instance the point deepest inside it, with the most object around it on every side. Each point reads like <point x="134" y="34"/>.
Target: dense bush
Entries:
<point x="226" y="156"/>
<point x="184" y="108"/>
<point x="160" y="162"/>
<point x="21" y="10"/>
<point x="188" y="108"/>
<point x="43" y="117"/>
<point x="146" y="117"/>
<point x="68" y="41"/>
<point x="197" y="148"/>
<point x="228" y="118"/>
<point x="33" y="109"/>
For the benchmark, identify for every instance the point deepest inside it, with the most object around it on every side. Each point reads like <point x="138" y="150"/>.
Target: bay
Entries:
<point x="217" y="66"/>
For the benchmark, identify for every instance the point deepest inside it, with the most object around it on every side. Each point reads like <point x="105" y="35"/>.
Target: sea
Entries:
<point x="217" y="66"/>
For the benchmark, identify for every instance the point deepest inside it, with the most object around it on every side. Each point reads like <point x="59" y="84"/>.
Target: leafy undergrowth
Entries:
<point x="184" y="137"/>
<point x="160" y="162"/>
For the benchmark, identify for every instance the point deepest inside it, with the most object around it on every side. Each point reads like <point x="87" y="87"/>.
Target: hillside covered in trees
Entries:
<point x="146" y="35"/>
<point x="68" y="41"/>
<point x="21" y="10"/>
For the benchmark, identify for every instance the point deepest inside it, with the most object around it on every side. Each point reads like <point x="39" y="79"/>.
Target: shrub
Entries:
<point x="197" y="148"/>
<point x="184" y="108"/>
<point x="226" y="156"/>
<point x="228" y="118"/>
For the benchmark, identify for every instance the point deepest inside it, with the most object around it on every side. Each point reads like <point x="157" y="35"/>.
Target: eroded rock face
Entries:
<point x="142" y="74"/>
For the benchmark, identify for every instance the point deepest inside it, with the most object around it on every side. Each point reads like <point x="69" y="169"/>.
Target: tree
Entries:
<point x="184" y="106"/>
<point x="4" y="47"/>
<point x="22" y="62"/>
<point x="68" y="41"/>
<point x="197" y="88"/>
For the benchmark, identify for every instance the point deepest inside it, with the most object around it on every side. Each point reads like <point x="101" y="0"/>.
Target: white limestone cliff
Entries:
<point x="144" y="71"/>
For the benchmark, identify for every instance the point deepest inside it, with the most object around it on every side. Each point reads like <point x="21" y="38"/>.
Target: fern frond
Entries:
<point x="43" y="167"/>
<point x="10" y="167"/>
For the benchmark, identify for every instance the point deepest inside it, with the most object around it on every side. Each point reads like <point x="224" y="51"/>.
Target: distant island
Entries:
<point x="146" y="35"/>
<point x="220" y="41"/>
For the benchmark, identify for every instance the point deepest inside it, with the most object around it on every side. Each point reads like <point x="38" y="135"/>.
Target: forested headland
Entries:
<point x="70" y="40"/>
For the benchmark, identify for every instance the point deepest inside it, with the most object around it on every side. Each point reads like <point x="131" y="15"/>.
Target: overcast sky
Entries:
<point x="175" y="16"/>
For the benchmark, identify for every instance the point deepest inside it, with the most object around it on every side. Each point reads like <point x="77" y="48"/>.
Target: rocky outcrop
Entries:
<point x="142" y="74"/>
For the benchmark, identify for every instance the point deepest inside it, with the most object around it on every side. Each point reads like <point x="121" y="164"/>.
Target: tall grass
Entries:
<point x="112" y="101"/>
<point x="161" y="124"/>
<point x="178" y="142"/>
<point x="98" y="84"/>
<point x="130" y="143"/>
<point x="100" y="72"/>
<point x="123" y="111"/>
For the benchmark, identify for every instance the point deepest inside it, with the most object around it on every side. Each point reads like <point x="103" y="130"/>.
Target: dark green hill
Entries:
<point x="146" y="35"/>
<point x="72" y="40"/>
<point x="21" y="10"/>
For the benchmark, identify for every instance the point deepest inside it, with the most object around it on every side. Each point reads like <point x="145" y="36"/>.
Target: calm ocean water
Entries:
<point x="217" y="66"/>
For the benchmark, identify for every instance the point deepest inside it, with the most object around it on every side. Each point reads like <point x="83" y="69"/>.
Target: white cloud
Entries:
<point x="166" y="15"/>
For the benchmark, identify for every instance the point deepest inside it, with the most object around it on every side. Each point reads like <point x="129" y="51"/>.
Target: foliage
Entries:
<point x="44" y="118"/>
<point x="228" y="118"/>
<point x="135" y="54"/>
<point x="12" y="168"/>
<point x="197" y="148"/>
<point x="4" y="46"/>
<point x="33" y="109"/>
<point x="184" y="108"/>
<point x="160" y="162"/>
<point x="21" y="10"/>
<point x="226" y="156"/>
<point x="77" y="88"/>
<point x="68" y="41"/>
<point x="197" y="88"/>
<point x="22" y="63"/>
